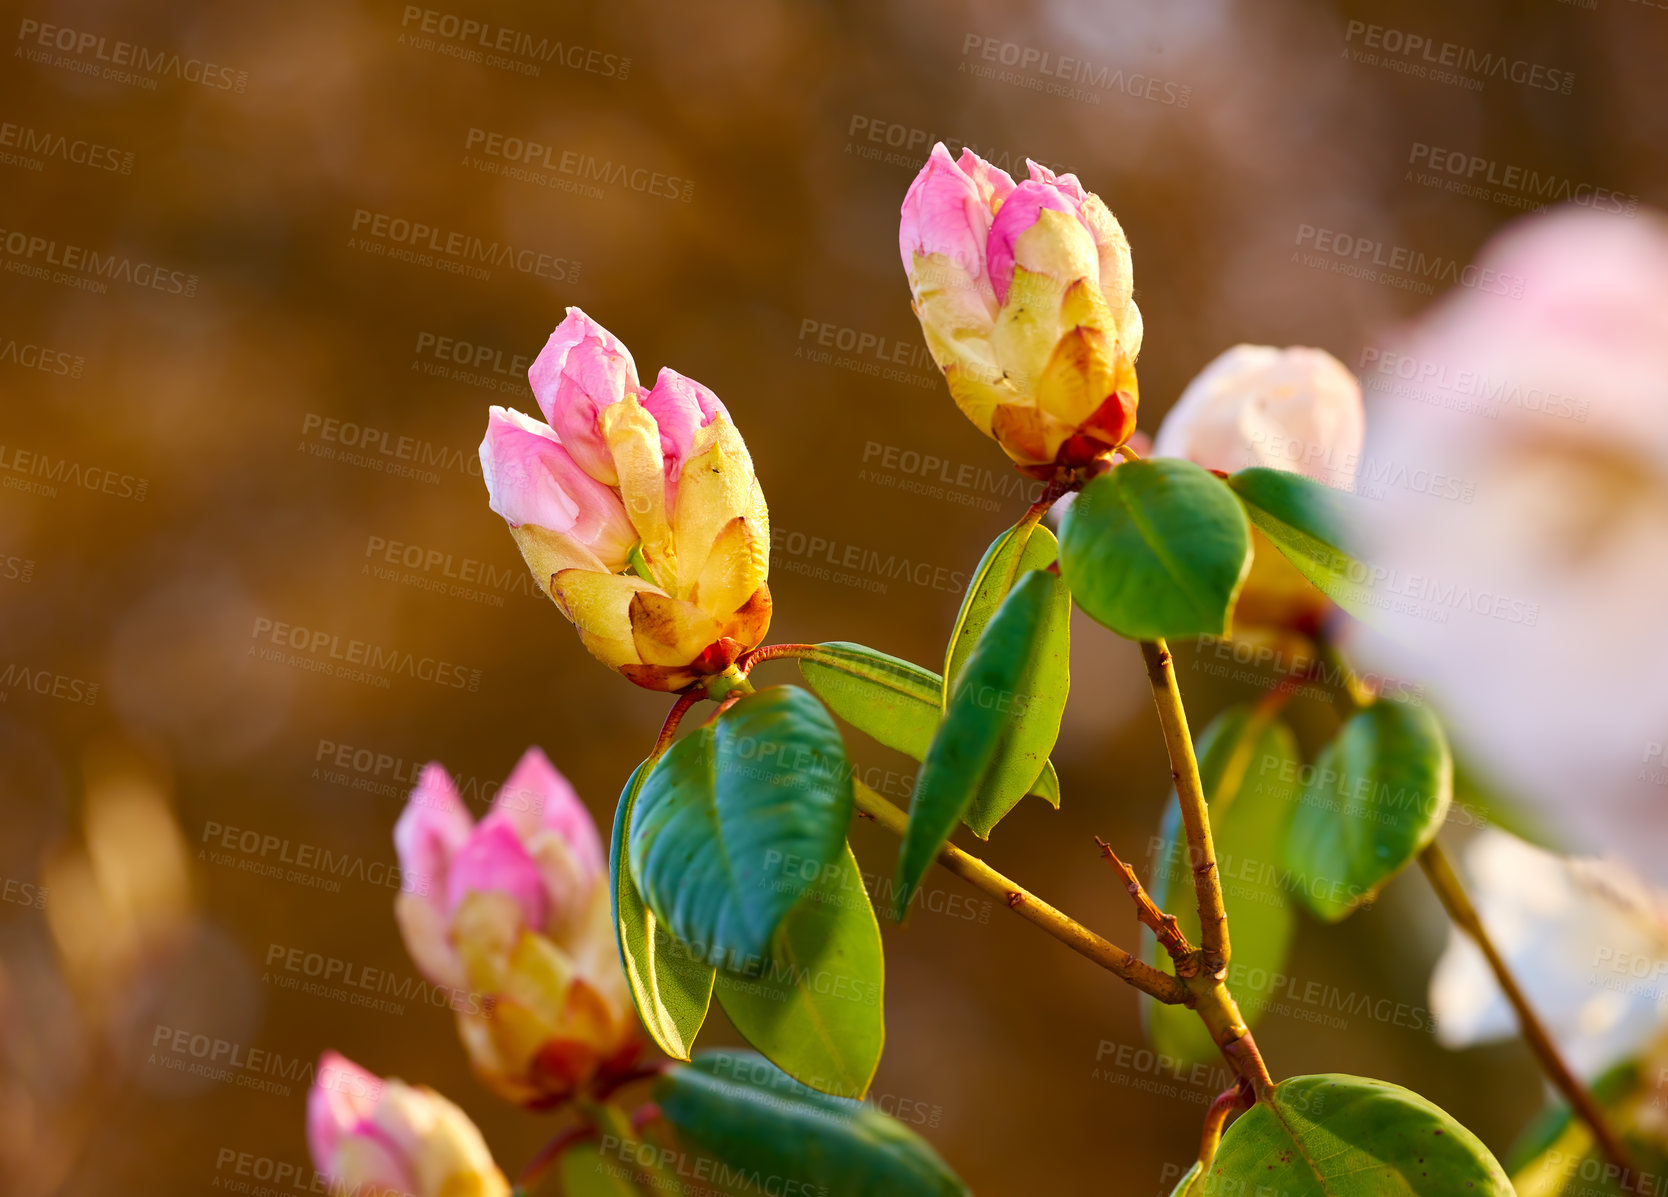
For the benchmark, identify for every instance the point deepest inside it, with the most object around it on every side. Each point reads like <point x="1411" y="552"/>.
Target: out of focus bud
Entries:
<point x="1025" y="295"/>
<point x="383" y="1138"/>
<point x="512" y="917"/>
<point x="1294" y="409"/>
<point x="636" y="509"/>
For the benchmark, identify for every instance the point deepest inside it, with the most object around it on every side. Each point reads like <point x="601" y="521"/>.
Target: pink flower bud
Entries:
<point x="385" y="1138"/>
<point x="582" y="369"/>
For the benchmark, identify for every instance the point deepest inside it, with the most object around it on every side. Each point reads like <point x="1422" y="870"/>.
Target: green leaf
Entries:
<point x="725" y="813"/>
<point x="892" y="700"/>
<point x="969" y="743"/>
<point x="897" y="703"/>
<point x="1312" y="525"/>
<point x="1333" y="1135"/>
<point x="587" y="1172"/>
<point x="770" y="1134"/>
<point x="1189" y="1184"/>
<point x="1156" y="548"/>
<point x="816" y="1011"/>
<point x="670" y="990"/>
<point x="1376" y="796"/>
<point x="1249" y="766"/>
<point x="1025" y="546"/>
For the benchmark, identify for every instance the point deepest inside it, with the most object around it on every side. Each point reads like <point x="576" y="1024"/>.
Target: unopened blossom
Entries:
<point x="384" y="1138"/>
<point x="1585" y="939"/>
<point x="515" y="927"/>
<point x="1520" y="569"/>
<point x="1025" y="293"/>
<point x="637" y="509"/>
<point x="1295" y="409"/>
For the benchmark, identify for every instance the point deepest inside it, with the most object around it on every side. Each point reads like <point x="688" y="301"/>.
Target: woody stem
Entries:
<point x="1457" y="903"/>
<point x="1028" y="906"/>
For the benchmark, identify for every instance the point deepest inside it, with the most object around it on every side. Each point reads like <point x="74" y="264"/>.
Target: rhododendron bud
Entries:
<point x="1294" y="409"/>
<point x="1025" y="293"/>
<point x="513" y="919"/>
<point x="382" y="1138"/>
<point x="655" y="482"/>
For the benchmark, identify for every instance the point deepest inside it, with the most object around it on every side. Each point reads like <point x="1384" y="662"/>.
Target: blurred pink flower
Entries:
<point x="1534" y="607"/>
<point x="1025" y="293"/>
<point x="513" y="917"/>
<point x="1295" y="409"/>
<point x="383" y="1138"/>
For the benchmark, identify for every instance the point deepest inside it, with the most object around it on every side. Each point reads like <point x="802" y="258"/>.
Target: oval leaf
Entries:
<point x="670" y="990"/>
<point x="986" y="706"/>
<point x="816" y="1011"/>
<point x="893" y="700"/>
<point x="1333" y="1135"/>
<point x="1311" y="524"/>
<point x="1376" y="796"/>
<point x="897" y="702"/>
<point x="1249" y="766"/>
<point x="726" y="808"/>
<point x="1025" y="546"/>
<point x="1156" y="548"/>
<point x="754" y="1119"/>
<point x="588" y="1172"/>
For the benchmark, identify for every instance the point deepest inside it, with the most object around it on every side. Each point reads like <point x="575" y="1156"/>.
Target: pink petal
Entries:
<point x="993" y="182"/>
<point x="532" y="479"/>
<point x="1019" y="212"/>
<point x="946" y="212"/>
<point x="430" y="830"/>
<point x="681" y="407"/>
<point x="536" y="797"/>
<point x="496" y="861"/>
<point x="582" y="369"/>
<point x="340" y="1100"/>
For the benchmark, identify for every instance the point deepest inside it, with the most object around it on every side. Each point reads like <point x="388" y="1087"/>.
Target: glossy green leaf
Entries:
<point x="897" y="703"/>
<point x="984" y="711"/>
<point x="1156" y="548"/>
<point x="1026" y="546"/>
<point x="1313" y="525"/>
<point x="724" y="817"/>
<point x="670" y="989"/>
<point x="588" y="1171"/>
<point x="1249" y="766"/>
<point x="1189" y="1184"/>
<point x="816" y="1011"/>
<point x="758" y="1125"/>
<point x="1333" y="1135"/>
<point x="893" y="700"/>
<point x="1376" y="795"/>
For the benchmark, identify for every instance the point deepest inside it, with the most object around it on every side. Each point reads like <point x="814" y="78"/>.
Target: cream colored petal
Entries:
<point x="669" y="631"/>
<point x="633" y="439"/>
<point x="734" y="569"/>
<point x="548" y="553"/>
<point x="717" y="485"/>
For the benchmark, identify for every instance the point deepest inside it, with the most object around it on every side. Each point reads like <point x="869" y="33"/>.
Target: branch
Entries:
<point x="1457" y="903"/>
<point x="1240" y="1097"/>
<point x="1184" y="768"/>
<point x="1164" y="926"/>
<point x="1028" y="906"/>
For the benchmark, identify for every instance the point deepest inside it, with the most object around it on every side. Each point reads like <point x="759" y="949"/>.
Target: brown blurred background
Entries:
<point x="267" y="416"/>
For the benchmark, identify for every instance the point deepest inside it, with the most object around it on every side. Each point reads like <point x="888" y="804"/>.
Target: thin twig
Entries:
<point x="1240" y="1097"/>
<point x="1033" y="909"/>
<point x="1457" y="903"/>
<point x="551" y="1152"/>
<point x="1184" y="769"/>
<point x="1164" y="926"/>
<point x="674" y="717"/>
